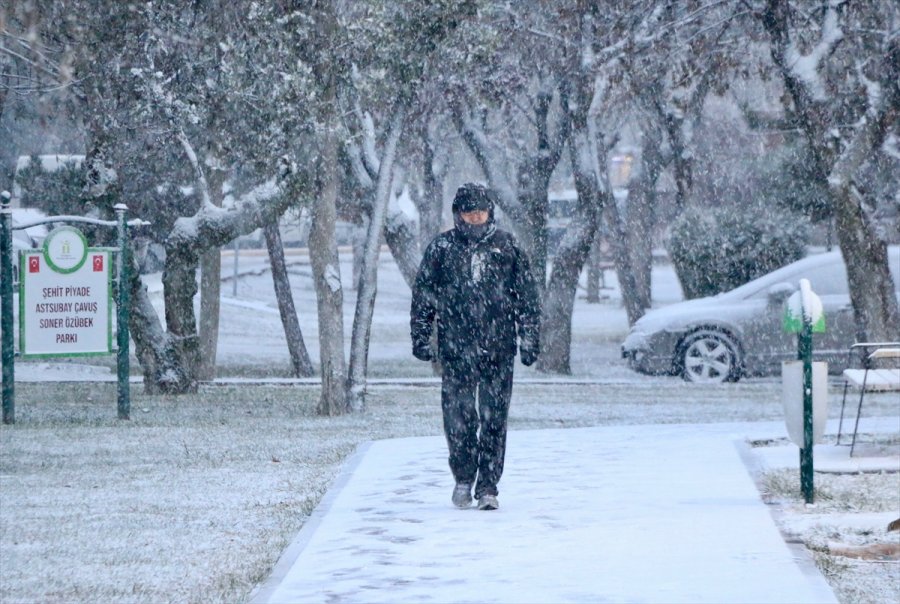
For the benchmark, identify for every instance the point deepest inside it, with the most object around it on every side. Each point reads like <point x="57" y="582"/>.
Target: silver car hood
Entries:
<point x="678" y="314"/>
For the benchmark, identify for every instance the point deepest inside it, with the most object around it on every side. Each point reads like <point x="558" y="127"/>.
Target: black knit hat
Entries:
<point x="471" y="197"/>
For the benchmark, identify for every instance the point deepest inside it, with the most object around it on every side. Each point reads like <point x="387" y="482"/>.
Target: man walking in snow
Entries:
<point x="476" y="281"/>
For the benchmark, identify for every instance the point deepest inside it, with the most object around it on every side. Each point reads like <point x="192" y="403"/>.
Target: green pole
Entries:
<point x="806" y="453"/>
<point x="122" y="359"/>
<point x="6" y="311"/>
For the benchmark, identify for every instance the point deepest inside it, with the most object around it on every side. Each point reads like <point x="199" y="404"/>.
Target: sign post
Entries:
<point x="6" y="312"/>
<point x="803" y="316"/>
<point x="123" y="369"/>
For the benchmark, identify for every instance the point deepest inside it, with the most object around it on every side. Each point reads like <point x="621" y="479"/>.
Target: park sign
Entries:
<point x="65" y="297"/>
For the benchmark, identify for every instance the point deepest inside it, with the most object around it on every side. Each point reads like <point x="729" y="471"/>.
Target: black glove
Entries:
<point x="423" y="353"/>
<point x="528" y="356"/>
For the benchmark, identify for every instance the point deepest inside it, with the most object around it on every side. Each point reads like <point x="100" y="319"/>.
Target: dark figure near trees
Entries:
<point x="476" y="284"/>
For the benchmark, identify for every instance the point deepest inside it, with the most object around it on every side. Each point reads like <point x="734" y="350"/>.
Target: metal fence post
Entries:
<point x="6" y="311"/>
<point x="806" y="453"/>
<point x="122" y="339"/>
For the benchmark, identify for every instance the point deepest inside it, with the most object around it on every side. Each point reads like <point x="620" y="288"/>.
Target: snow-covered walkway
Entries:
<point x="656" y="513"/>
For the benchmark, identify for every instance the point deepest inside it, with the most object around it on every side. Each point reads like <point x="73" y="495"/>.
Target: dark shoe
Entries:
<point x="488" y="502"/>
<point x="462" y="495"/>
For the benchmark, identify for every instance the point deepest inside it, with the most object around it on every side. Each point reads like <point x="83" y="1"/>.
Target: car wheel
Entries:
<point x="710" y="356"/>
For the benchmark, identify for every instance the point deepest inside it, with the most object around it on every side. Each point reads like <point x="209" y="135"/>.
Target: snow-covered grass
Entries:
<point x="195" y="498"/>
<point x="845" y="529"/>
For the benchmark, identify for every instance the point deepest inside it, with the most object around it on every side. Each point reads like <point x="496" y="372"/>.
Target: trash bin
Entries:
<point x="792" y="398"/>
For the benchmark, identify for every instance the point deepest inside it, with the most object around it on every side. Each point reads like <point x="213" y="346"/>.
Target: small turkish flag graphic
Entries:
<point x="34" y="264"/>
<point x="98" y="264"/>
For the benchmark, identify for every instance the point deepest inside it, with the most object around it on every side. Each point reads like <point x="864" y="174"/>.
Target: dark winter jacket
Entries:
<point x="482" y="293"/>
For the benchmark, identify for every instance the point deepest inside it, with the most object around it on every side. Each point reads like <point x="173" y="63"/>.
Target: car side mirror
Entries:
<point x="780" y="292"/>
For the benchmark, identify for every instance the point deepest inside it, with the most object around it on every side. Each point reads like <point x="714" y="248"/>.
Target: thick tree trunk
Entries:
<point x="326" y="271"/>
<point x="559" y="297"/>
<point x="875" y="305"/>
<point x="301" y="366"/>
<point x="366" y="292"/>
<point x="179" y="288"/>
<point x="151" y="342"/>
<point x="682" y="160"/>
<point x="641" y="220"/>
<point x="872" y="289"/>
<point x="210" y="292"/>
<point x="623" y="261"/>
<point x="534" y="180"/>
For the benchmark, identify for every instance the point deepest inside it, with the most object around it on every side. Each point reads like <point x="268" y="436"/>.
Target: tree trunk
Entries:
<point x="365" y="298"/>
<point x="622" y="258"/>
<point x="559" y="297"/>
<point x="210" y="292"/>
<point x="875" y="305"/>
<point x="594" y="271"/>
<point x="872" y="289"/>
<point x="301" y="366"/>
<point x="152" y="345"/>
<point x="358" y="247"/>
<point x="326" y="271"/>
<point x="641" y="221"/>
<point x="580" y="96"/>
<point x="633" y="241"/>
<point x="179" y="288"/>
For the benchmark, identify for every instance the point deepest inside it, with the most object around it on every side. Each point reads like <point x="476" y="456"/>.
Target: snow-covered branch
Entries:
<point x="212" y="226"/>
<point x="805" y="67"/>
<point x="202" y="183"/>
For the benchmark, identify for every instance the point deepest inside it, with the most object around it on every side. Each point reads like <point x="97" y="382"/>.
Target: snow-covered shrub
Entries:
<point x="50" y="183"/>
<point x="717" y="249"/>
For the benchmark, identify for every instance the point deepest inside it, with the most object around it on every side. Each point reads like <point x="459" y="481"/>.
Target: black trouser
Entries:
<point x="476" y="433"/>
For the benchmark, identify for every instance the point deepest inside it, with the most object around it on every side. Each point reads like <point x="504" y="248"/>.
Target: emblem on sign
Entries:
<point x="65" y="249"/>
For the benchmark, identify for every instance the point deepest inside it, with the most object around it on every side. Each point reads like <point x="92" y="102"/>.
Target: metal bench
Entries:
<point x="869" y="378"/>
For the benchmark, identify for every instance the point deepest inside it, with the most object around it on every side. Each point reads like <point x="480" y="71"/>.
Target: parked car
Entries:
<point x="736" y="333"/>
